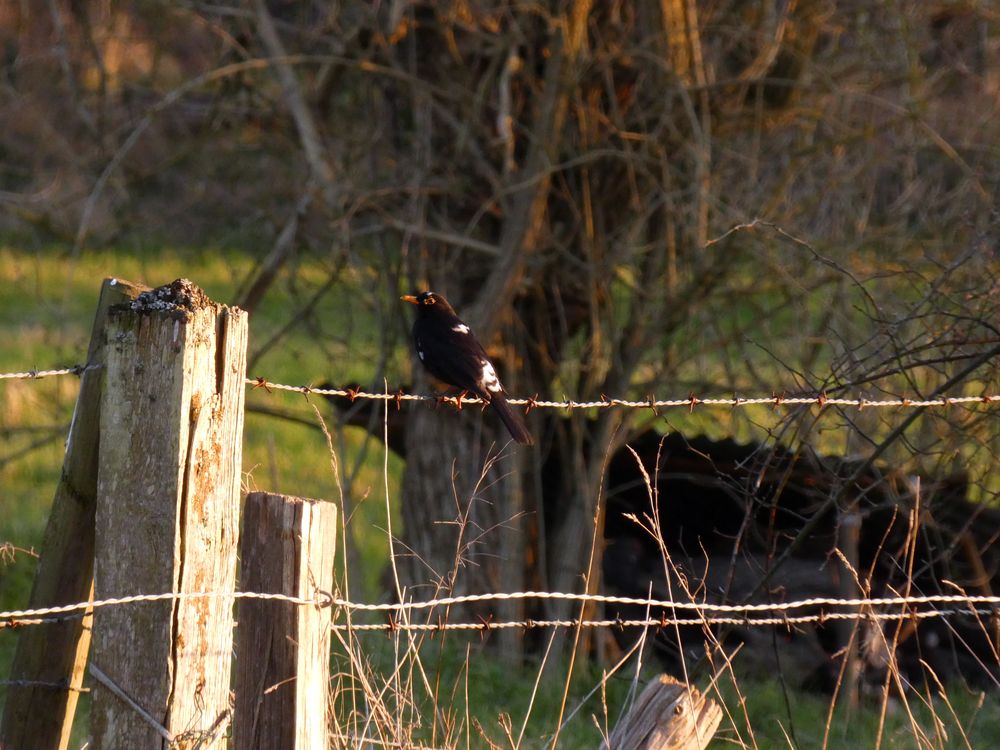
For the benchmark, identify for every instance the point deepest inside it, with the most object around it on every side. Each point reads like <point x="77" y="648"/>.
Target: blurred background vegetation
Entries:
<point x="625" y="198"/>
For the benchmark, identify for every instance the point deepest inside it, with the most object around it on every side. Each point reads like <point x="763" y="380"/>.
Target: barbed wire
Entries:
<point x="39" y="374"/>
<point x="661" y="622"/>
<point x="19" y="615"/>
<point x="898" y="601"/>
<point x="690" y="402"/>
<point x="746" y="612"/>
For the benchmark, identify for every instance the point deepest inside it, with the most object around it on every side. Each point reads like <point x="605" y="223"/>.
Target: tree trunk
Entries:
<point x="463" y="512"/>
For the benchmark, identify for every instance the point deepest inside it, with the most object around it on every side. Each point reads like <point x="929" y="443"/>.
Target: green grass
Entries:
<point x="496" y="691"/>
<point x="806" y="718"/>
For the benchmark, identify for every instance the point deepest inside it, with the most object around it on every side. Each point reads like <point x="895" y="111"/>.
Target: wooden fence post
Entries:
<point x="668" y="715"/>
<point x="283" y="649"/>
<point x="37" y="715"/>
<point x="168" y="519"/>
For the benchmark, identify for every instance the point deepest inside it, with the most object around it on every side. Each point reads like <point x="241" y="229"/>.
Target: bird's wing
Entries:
<point x="456" y="357"/>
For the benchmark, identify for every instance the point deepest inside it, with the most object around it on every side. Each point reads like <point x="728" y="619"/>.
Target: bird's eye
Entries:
<point x="429" y="301"/>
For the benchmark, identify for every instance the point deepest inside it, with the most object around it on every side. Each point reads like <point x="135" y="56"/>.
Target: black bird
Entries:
<point x="452" y="354"/>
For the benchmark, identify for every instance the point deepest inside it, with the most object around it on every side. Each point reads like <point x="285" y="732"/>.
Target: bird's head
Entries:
<point x="428" y="301"/>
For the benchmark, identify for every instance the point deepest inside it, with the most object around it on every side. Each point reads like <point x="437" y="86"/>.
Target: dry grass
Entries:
<point x="441" y="690"/>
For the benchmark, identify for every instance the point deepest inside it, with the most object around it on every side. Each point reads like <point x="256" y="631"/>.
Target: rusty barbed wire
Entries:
<point x="899" y="601"/>
<point x="746" y="612"/>
<point x="690" y="402"/>
<point x="820" y="399"/>
<point x="661" y="622"/>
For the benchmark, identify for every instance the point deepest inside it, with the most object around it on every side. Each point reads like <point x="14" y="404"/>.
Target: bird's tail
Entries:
<point x="511" y="421"/>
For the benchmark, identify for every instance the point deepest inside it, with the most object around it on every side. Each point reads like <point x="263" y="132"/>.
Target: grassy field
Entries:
<point x="46" y="314"/>
<point x="45" y="318"/>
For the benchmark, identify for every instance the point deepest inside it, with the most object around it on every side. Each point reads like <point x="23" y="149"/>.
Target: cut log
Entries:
<point x="668" y="715"/>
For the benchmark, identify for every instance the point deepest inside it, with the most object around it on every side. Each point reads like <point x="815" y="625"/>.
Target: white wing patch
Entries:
<point x="460" y="328"/>
<point x="488" y="377"/>
<point x="420" y="353"/>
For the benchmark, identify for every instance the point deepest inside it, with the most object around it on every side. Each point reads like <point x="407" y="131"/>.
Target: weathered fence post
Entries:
<point x="668" y="715"/>
<point x="283" y="649"/>
<point x="38" y="715"/>
<point x="168" y="518"/>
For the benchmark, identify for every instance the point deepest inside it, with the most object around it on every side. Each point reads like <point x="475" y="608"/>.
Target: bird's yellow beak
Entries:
<point x="410" y="298"/>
